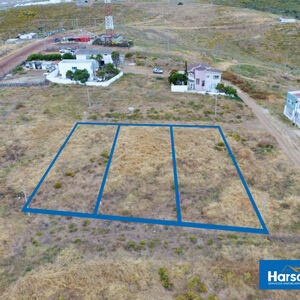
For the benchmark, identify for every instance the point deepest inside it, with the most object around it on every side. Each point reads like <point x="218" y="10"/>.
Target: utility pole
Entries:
<point x="25" y="196"/>
<point x="286" y="63"/>
<point x="239" y="69"/>
<point x="168" y="43"/>
<point x="216" y="105"/>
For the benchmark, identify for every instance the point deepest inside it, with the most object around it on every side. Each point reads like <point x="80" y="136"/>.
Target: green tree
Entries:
<point x="69" y="74"/>
<point x="229" y="90"/>
<point x="221" y="87"/>
<point x="35" y="56"/>
<point x="109" y="68"/>
<point x="99" y="58"/>
<point x="68" y="56"/>
<point x="177" y="78"/>
<point x="81" y="75"/>
<point x="101" y="73"/>
<point x="115" y="57"/>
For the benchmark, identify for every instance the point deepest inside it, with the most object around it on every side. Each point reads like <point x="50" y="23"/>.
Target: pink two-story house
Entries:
<point x="203" y="78"/>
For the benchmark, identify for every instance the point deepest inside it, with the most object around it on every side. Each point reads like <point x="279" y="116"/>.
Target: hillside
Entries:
<point x="290" y="8"/>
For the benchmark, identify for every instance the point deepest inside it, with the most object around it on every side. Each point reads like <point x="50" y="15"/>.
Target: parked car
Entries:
<point x="158" y="71"/>
<point x="56" y="40"/>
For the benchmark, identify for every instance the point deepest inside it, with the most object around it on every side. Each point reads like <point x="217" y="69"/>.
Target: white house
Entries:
<point x="284" y="20"/>
<point x="292" y="107"/>
<point x="90" y="65"/>
<point x="203" y="78"/>
<point x="85" y="54"/>
<point x="28" y="36"/>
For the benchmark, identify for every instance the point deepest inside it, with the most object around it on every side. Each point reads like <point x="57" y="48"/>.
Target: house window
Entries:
<point x="197" y="81"/>
<point x="203" y="82"/>
<point x="207" y="76"/>
<point x="216" y="76"/>
<point x="74" y="68"/>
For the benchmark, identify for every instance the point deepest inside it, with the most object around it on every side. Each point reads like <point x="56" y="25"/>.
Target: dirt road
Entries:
<point x="286" y="137"/>
<point x="142" y="70"/>
<point x="9" y="62"/>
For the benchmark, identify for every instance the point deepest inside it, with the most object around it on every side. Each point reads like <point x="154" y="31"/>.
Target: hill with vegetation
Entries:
<point x="281" y="7"/>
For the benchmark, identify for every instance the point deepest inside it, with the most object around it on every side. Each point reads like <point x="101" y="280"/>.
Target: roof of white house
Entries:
<point x="202" y="67"/>
<point x="93" y="51"/>
<point x="77" y="61"/>
<point x="296" y="93"/>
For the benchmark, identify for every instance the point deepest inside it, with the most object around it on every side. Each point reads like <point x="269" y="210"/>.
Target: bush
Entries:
<point x="69" y="173"/>
<point x="69" y="74"/>
<point x="35" y="56"/>
<point x="177" y="78"/>
<point x="39" y="56"/>
<point x="81" y="75"/>
<point x="17" y="69"/>
<point x="164" y="278"/>
<point x="193" y="239"/>
<point x="57" y="185"/>
<point x="128" y="55"/>
<point x="68" y="56"/>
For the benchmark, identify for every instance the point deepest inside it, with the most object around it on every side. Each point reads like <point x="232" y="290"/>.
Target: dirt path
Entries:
<point x="286" y="137"/>
<point x="142" y="71"/>
<point x="9" y="62"/>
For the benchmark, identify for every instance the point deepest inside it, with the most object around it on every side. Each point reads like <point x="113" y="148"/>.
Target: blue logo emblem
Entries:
<point x="279" y="274"/>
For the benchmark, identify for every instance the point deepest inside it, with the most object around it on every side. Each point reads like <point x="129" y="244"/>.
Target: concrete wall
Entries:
<point x="179" y="88"/>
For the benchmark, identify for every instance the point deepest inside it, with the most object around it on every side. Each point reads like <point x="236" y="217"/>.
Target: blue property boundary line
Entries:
<point x="106" y="171"/>
<point x="243" y="181"/>
<point x="178" y="209"/>
<point x="179" y="222"/>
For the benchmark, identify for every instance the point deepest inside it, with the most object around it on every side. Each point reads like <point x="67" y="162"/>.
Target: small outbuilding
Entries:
<point x="292" y="107"/>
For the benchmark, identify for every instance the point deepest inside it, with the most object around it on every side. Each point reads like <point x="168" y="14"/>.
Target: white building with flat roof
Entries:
<point x="90" y="65"/>
<point x="84" y="54"/>
<point x="292" y="107"/>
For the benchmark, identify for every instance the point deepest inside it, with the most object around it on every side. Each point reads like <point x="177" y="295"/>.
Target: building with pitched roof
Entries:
<point x="203" y="78"/>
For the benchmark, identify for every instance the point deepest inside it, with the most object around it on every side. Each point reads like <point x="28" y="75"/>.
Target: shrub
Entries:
<point x="57" y="185"/>
<point x="193" y="239"/>
<point x="177" y="78"/>
<point x="72" y="227"/>
<point x="105" y="154"/>
<point x="101" y="248"/>
<point x="210" y="242"/>
<point x="202" y="288"/>
<point x="115" y="57"/>
<point x="85" y="223"/>
<point x="128" y="55"/>
<point x="164" y="278"/>
<point x="17" y="69"/>
<point x="81" y="75"/>
<point x="69" y="74"/>
<point x="192" y="296"/>
<point x="130" y="245"/>
<point x="212" y="297"/>
<point x="77" y="241"/>
<point x="68" y="56"/>
<point x="69" y="173"/>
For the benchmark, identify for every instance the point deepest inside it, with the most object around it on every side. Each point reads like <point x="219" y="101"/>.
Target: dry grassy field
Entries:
<point x="55" y="257"/>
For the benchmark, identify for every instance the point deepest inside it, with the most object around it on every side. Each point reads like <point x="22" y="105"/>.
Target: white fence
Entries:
<point x="53" y="77"/>
<point x="179" y="88"/>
